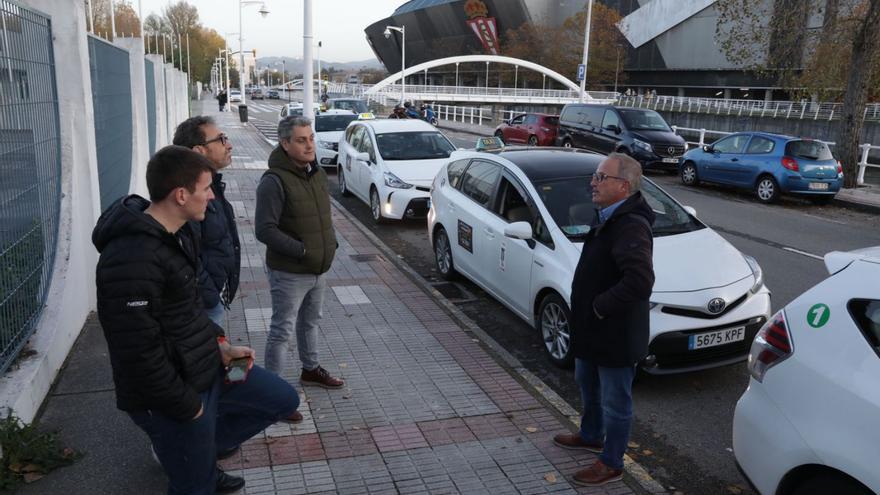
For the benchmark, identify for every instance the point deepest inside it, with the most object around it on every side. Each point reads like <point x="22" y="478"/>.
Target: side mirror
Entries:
<point x="614" y="128"/>
<point x="362" y="157"/>
<point x="519" y="230"/>
<point x="691" y="211"/>
<point x="708" y="148"/>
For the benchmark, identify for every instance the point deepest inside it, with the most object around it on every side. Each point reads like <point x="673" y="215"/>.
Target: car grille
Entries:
<point x="422" y="188"/>
<point x="671" y="348"/>
<point x="668" y="150"/>
<point x="334" y="146"/>
<point x="417" y="208"/>
<point x="692" y="313"/>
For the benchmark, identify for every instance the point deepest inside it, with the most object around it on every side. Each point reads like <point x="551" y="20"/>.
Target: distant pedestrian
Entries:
<point x="218" y="234"/>
<point x="610" y="316"/>
<point x="167" y="356"/>
<point x="222" y="98"/>
<point x="293" y="221"/>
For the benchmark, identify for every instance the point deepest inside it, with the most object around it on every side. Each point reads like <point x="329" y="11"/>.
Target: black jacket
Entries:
<point x="611" y="288"/>
<point x="163" y="347"/>
<point x="220" y="249"/>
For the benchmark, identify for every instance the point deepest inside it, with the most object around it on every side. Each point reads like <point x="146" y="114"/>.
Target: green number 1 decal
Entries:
<point x="818" y="315"/>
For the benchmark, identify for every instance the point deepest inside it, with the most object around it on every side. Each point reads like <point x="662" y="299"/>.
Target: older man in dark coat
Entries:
<point x="610" y="316"/>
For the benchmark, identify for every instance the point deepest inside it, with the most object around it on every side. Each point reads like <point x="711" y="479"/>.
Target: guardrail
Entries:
<point x="466" y="115"/>
<point x="863" y="161"/>
<point x="749" y="108"/>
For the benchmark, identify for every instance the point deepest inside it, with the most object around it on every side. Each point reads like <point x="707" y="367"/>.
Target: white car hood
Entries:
<point x="416" y="172"/>
<point x="329" y="136"/>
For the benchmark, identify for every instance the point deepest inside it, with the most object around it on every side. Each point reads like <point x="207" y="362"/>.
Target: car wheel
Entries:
<point x="566" y="143"/>
<point x="689" y="174"/>
<point x="376" y="206"/>
<point x="766" y="189"/>
<point x="443" y="255"/>
<point x="343" y="186"/>
<point x="554" y="318"/>
<point x="533" y="140"/>
<point x="824" y="483"/>
<point x="821" y="200"/>
<point x="500" y="135"/>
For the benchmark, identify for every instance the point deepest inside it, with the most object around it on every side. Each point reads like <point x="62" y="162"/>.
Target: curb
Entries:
<point x="634" y="469"/>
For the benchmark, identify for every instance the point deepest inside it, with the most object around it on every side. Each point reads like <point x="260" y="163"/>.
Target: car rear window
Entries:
<point x="866" y="314"/>
<point x="810" y="150"/>
<point x="551" y="120"/>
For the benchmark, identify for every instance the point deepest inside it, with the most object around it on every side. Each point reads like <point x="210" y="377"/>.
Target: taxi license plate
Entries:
<point x="720" y="337"/>
<point x="670" y="160"/>
<point x="818" y="186"/>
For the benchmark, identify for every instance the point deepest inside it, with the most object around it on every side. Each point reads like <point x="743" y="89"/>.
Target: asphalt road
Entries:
<point x="683" y="423"/>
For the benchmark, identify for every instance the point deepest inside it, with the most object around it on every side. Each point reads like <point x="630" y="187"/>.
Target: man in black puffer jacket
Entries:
<point x="220" y="247"/>
<point x="610" y="321"/>
<point x="167" y="356"/>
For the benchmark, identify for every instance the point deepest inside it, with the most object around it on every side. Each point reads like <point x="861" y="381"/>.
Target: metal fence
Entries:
<point x="30" y="173"/>
<point x="150" y="76"/>
<point x="111" y="97"/>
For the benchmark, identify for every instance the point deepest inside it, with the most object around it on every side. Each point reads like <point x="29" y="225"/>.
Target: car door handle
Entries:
<point x="539" y="263"/>
<point x="489" y="233"/>
<point x="734" y="159"/>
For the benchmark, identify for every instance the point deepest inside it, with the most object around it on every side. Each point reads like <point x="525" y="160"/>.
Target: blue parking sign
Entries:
<point x="582" y="72"/>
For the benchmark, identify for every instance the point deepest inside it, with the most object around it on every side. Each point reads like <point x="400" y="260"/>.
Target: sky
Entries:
<point x="338" y="24"/>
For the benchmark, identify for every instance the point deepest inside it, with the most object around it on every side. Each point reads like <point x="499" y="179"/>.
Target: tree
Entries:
<point x="127" y="20"/>
<point x="541" y="44"/>
<point x="837" y="60"/>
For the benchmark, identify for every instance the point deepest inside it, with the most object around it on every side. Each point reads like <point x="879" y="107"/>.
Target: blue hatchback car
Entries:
<point x="769" y="164"/>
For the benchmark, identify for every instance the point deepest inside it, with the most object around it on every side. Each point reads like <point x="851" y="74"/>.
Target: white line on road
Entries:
<point x="803" y="253"/>
<point x="825" y="219"/>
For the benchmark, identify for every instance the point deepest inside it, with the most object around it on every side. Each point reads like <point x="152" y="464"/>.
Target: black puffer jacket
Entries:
<point x="614" y="278"/>
<point x="220" y="249"/>
<point x="163" y="347"/>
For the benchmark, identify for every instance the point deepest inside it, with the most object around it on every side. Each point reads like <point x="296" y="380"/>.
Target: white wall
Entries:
<point x="71" y="293"/>
<point x="161" y="116"/>
<point x="140" y="138"/>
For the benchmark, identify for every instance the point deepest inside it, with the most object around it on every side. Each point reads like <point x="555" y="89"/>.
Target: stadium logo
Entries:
<point x="483" y="26"/>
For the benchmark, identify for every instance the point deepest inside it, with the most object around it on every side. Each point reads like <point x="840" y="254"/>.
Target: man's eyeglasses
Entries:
<point x="223" y="138"/>
<point x="601" y="176"/>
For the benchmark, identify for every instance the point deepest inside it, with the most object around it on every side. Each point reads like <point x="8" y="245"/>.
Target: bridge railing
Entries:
<point x="750" y="108"/>
<point x="466" y="115"/>
<point x="435" y="92"/>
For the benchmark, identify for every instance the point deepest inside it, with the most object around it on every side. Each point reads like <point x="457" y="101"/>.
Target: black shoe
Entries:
<point x="226" y="483"/>
<point x="226" y="454"/>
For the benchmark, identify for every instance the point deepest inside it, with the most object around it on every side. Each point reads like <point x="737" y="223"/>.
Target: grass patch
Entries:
<point x="29" y="454"/>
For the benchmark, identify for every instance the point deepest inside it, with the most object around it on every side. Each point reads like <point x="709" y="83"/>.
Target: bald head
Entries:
<point x="618" y="177"/>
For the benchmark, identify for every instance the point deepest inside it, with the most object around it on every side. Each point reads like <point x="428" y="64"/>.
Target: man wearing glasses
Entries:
<point x="220" y="247"/>
<point x="610" y="296"/>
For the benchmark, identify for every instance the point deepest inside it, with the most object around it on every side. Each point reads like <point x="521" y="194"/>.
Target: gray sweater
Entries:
<point x="270" y="203"/>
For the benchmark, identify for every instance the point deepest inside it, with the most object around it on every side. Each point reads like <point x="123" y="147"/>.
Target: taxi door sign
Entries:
<point x="466" y="236"/>
<point x="818" y="315"/>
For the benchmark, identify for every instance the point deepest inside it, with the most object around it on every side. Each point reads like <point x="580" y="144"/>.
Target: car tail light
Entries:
<point x="790" y="163"/>
<point x="839" y="167"/>
<point x="772" y="345"/>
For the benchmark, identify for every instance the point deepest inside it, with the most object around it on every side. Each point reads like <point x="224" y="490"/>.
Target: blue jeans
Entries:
<point x="297" y="306"/>
<point x="232" y="414"/>
<point x="607" y="397"/>
<point x="217" y="314"/>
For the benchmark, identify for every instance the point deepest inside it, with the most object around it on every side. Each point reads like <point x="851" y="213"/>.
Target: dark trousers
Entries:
<point x="232" y="414"/>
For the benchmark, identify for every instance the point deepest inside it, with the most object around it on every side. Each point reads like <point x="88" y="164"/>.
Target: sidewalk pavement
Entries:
<point x="863" y="197"/>
<point x="427" y="408"/>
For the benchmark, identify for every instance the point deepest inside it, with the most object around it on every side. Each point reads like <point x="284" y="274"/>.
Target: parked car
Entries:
<point x="640" y="133"/>
<point x="768" y="164"/>
<point x="257" y="94"/>
<point x="329" y="128"/>
<point x="272" y="93"/>
<point x="234" y="96"/>
<point x="354" y="105"/>
<point x="807" y="423"/>
<point x="389" y="164"/>
<point x="534" y="129"/>
<point x="296" y="109"/>
<point x="513" y="222"/>
<point x="354" y="79"/>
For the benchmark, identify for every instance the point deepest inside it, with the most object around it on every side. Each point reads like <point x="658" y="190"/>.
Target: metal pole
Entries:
<point x="284" y="78"/>
<point x="403" y="64"/>
<point x="179" y="52"/>
<point x="112" y="21"/>
<point x="456" y="74"/>
<point x="240" y="56"/>
<point x="616" y="69"/>
<point x="586" y="48"/>
<point x="320" y="79"/>
<point x="141" y="18"/>
<point x="91" y="18"/>
<point x="228" y="106"/>
<point x="487" y="77"/>
<point x="164" y="58"/>
<point x="309" y="76"/>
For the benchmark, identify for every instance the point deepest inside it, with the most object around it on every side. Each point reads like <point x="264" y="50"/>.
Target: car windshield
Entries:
<point x="569" y="202"/>
<point x="413" y="145"/>
<point x="325" y="123"/>
<point x="356" y="106"/>
<point x="643" y="120"/>
<point x="810" y="150"/>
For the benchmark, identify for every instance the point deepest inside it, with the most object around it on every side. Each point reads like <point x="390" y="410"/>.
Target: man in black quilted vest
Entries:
<point x="168" y="357"/>
<point x="293" y="221"/>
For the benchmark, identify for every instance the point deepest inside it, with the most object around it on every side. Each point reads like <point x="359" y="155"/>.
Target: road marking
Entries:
<point x="825" y="219"/>
<point x="803" y="253"/>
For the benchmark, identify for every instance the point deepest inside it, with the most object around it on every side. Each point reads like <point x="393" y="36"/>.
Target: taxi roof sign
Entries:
<point x="491" y="143"/>
<point x="366" y="116"/>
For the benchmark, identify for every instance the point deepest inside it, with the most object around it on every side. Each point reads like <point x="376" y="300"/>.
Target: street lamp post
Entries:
<point x="402" y="31"/>
<point x="586" y="48"/>
<point x="264" y="12"/>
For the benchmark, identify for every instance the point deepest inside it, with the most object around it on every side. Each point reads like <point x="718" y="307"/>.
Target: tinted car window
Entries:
<point x="811" y="150"/>
<point x="610" y="119"/>
<point x="357" y="135"/>
<point x="479" y="181"/>
<point x="454" y="171"/>
<point x="551" y="120"/>
<point x="643" y="120"/>
<point x="866" y="313"/>
<point x="592" y="115"/>
<point x="332" y="122"/>
<point x="517" y="120"/>
<point x="731" y="144"/>
<point x="569" y="115"/>
<point x="357" y="106"/>
<point x="413" y="145"/>
<point x="531" y="119"/>
<point x="760" y="144"/>
<point x="511" y="205"/>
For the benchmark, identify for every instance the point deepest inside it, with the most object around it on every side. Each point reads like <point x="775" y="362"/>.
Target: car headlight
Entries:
<point x="394" y="181"/>
<point x="326" y="145"/>
<point x="756" y="272"/>
<point x="643" y="145"/>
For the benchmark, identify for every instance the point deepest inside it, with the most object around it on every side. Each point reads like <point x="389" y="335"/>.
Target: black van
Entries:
<point x="638" y="132"/>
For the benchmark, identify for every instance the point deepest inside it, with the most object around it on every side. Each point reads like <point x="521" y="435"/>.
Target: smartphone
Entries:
<point x="237" y="371"/>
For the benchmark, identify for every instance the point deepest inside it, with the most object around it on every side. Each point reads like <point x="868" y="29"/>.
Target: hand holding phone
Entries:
<point x="238" y="369"/>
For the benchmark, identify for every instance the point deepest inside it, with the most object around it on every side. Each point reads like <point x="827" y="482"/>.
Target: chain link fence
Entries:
<point x="30" y="173"/>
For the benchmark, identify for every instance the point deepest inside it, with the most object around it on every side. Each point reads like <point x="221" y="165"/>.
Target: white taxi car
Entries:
<point x="807" y="424"/>
<point x="389" y="164"/>
<point x="513" y="222"/>
<point x="329" y="128"/>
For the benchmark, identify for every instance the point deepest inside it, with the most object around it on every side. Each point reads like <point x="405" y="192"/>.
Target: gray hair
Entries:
<point x="629" y="169"/>
<point x="286" y="125"/>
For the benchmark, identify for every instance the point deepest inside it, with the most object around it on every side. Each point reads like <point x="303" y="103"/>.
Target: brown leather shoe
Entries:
<point x="294" y="418"/>
<point x="575" y="442"/>
<point x="321" y="378"/>
<point x="597" y="474"/>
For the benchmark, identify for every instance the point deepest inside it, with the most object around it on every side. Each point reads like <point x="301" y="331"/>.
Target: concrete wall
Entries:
<point x="140" y="136"/>
<point x="71" y="293"/>
<point x="161" y="115"/>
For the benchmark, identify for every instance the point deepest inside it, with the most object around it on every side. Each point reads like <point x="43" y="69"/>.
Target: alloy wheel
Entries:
<point x="442" y="253"/>
<point x="554" y="328"/>
<point x="375" y="205"/>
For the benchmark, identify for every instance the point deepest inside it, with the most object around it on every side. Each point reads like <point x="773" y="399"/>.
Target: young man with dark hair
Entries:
<point x="218" y="234"/>
<point x="168" y="357"/>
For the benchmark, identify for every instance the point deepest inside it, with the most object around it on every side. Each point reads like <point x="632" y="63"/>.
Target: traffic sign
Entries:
<point x="582" y="72"/>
